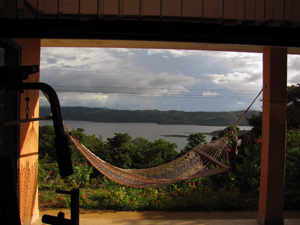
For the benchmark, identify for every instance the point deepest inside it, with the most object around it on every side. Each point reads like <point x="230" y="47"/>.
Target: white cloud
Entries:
<point x="156" y="51"/>
<point x="78" y="99"/>
<point x="174" y="53"/>
<point x="293" y="69"/>
<point x="208" y="94"/>
<point x="237" y="81"/>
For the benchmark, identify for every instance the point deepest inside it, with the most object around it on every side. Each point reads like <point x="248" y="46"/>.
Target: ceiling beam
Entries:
<point x="95" y="43"/>
<point x="151" y="34"/>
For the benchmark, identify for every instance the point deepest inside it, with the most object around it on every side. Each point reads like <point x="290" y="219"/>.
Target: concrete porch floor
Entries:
<point x="93" y="217"/>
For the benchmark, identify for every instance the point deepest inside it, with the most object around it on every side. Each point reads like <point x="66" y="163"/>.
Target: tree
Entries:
<point x="148" y="154"/>
<point x="194" y="140"/>
<point x="293" y="160"/>
<point x="46" y="144"/>
<point x="256" y="123"/>
<point x="120" y="150"/>
<point x="293" y="108"/>
<point x="161" y="152"/>
<point x="141" y="156"/>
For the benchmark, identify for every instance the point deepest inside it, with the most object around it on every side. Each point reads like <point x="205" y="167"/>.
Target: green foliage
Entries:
<point x="191" y="195"/>
<point x="46" y="144"/>
<point x="81" y="176"/>
<point x="293" y="109"/>
<point x="120" y="150"/>
<point x="48" y="175"/>
<point x="293" y="160"/>
<point x="194" y="140"/>
<point x="292" y="173"/>
<point x="248" y="171"/>
<point x="256" y="123"/>
<point x="43" y="176"/>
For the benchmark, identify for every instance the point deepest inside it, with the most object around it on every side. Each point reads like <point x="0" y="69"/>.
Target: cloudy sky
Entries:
<point x="156" y="79"/>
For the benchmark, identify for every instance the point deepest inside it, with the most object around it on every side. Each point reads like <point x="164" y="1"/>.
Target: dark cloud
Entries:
<point x="67" y="66"/>
<point x="51" y="60"/>
<point x="254" y="77"/>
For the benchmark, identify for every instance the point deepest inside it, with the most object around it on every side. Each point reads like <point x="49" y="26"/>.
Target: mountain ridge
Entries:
<point x="151" y="116"/>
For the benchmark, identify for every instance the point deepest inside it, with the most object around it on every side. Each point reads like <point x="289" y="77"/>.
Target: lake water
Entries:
<point x="150" y="131"/>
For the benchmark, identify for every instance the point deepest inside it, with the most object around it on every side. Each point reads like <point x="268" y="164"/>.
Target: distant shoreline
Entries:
<point x="213" y="134"/>
<point x="171" y="117"/>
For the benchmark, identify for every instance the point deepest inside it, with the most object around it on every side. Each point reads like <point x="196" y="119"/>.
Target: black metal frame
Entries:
<point x="60" y="218"/>
<point x="12" y="78"/>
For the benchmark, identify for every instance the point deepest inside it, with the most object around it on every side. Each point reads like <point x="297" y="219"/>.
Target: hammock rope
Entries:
<point x="202" y="161"/>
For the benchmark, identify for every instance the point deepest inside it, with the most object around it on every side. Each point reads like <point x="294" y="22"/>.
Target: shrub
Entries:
<point x="81" y="176"/>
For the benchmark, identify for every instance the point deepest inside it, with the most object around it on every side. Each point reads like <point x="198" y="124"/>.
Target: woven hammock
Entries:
<point x="202" y="161"/>
<point x="205" y="160"/>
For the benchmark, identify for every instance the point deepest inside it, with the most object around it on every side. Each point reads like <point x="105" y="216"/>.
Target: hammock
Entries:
<point x="205" y="160"/>
<point x="202" y="161"/>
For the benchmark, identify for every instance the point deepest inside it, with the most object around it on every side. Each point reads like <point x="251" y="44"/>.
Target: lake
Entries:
<point x="150" y="131"/>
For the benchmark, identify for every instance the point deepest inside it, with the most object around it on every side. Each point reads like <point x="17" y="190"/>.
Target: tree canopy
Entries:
<point x="121" y="150"/>
<point x="293" y="109"/>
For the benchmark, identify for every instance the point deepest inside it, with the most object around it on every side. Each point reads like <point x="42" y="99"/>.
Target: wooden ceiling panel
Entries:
<point x="151" y="7"/>
<point x="259" y="12"/>
<point x="295" y="13"/>
<point x="88" y="7"/>
<point x="33" y="3"/>
<point x="288" y="10"/>
<point x="212" y="9"/>
<point x="171" y="8"/>
<point x="230" y="9"/>
<point x="192" y="8"/>
<point x="250" y="10"/>
<point x="278" y="12"/>
<point x="69" y="7"/>
<point x="240" y="11"/>
<point x="50" y="7"/>
<point x="131" y="8"/>
<point x="269" y="11"/>
<point x="111" y="7"/>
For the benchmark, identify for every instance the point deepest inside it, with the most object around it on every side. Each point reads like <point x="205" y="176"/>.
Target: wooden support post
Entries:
<point x="273" y="136"/>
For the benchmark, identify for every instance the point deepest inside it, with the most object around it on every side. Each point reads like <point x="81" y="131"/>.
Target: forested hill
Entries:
<point x="151" y="116"/>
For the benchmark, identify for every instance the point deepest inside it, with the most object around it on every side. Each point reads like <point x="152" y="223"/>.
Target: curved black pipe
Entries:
<point x="61" y="141"/>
